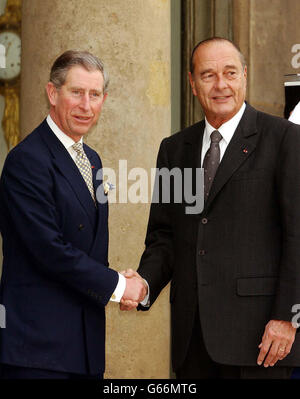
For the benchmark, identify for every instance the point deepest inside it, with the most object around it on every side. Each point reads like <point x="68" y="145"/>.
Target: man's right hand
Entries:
<point x="135" y="291"/>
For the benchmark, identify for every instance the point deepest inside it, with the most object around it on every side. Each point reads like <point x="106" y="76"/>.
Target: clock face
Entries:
<point x="12" y="43"/>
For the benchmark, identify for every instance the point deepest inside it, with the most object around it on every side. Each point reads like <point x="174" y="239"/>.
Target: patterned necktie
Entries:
<point x="211" y="161"/>
<point x="84" y="167"/>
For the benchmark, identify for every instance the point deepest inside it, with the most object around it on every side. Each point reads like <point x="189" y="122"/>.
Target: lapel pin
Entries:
<point x="245" y="151"/>
<point x="108" y="187"/>
<point x="92" y="166"/>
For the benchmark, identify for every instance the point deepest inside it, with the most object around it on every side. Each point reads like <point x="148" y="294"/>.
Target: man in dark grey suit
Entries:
<point x="235" y="267"/>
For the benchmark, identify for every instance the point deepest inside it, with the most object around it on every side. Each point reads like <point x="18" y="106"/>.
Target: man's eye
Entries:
<point x="207" y="76"/>
<point x="231" y="73"/>
<point x="76" y="92"/>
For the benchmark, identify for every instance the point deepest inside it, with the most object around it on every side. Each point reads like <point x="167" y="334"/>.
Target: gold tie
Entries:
<point x="84" y="167"/>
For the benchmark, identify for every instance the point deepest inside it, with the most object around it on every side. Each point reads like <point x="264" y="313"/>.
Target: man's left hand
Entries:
<point x="276" y="343"/>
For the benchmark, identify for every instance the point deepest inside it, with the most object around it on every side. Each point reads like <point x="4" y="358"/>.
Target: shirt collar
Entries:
<point x="228" y="128"/>
<point x="62" y="137"/>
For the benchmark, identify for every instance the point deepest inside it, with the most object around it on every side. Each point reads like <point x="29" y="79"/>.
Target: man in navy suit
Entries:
<point x="56" y="281"/>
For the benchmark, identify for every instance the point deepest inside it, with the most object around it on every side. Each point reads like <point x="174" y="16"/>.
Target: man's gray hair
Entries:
<point x="72" y="58"/>
<point x="216" y="39"/>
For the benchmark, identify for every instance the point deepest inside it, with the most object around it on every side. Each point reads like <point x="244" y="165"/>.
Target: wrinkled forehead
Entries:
<point x="80" y="76"/>
<point x="217" y="55"/>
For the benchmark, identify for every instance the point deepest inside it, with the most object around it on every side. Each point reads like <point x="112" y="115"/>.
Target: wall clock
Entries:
<point x="10" y="38"/>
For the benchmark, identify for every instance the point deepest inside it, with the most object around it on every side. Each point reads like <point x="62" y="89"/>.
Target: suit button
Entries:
<point x="201" y="252"/>
<point x="204" y="220"/>
<point x="81" y="227"/>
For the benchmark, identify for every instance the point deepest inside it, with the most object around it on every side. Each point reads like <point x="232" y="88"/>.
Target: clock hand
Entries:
<point x="9" y="44"/>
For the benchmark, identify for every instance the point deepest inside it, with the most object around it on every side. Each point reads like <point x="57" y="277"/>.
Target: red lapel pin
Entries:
<point x="245" y="151"/>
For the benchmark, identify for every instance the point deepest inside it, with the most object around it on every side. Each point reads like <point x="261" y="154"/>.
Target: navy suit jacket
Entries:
<point x="56" y="281"/>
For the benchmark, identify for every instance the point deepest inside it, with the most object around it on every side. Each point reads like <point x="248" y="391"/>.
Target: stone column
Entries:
<point x="133" y="39"/>
<point x="266" y="32"/>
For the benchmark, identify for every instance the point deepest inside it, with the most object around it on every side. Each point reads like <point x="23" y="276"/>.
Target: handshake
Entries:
<point x="135" y="291"/>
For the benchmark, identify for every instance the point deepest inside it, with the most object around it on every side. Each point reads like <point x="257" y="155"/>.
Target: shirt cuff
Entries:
<point x="145" y="302"/>
<point x="120" y="289"/>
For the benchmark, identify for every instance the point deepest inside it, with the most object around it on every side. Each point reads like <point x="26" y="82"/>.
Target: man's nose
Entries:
<point x="85" y="102"/>
<point x="220" y="82"/>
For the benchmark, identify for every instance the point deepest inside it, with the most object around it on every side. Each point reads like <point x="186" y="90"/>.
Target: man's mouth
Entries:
<point x="221" y="98"/>
<point x="83" y="118"/>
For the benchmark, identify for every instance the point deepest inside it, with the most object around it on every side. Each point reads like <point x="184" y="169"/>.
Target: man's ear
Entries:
<point x="104" y="97"/>
<point x="192" y="83"/>
<point x="245" y="75"/>
<point x="52" y="93"/>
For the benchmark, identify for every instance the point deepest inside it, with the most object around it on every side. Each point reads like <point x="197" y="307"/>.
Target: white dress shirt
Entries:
<point x="295" y="115"/>
<point x="67" y="143"/>
<point x="227" y="130"/>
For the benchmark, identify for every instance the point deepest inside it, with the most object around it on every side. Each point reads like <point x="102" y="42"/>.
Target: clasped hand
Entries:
<point x="135" y="291"/>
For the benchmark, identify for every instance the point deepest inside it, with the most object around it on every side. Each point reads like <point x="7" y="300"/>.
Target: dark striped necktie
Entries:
<point x="211" y="161"/>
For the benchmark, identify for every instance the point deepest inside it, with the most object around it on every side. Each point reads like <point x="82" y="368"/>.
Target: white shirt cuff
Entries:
<point x="120" y="289"/>
<point x="145" y="302"/>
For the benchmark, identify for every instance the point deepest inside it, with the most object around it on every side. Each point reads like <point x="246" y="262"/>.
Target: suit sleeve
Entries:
<point x="156" y="265"/>
<point x="27" y="192"/>
<point x="288" y="191"/>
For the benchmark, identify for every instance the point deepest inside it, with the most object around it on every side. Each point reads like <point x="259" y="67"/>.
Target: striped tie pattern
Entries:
<point x="211" y="161"/>
<point x="84" y="167"/>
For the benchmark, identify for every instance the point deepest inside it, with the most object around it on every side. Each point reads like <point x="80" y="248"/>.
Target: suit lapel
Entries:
<point x="192" y="154"/>
<point x="94" y="164"/>
<point x="102" y="208"/>
<point x="239" y="149"/>
<point x="69" y="170"/>
<point x="193" y="145"/>
<point x="94" y="161"/>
